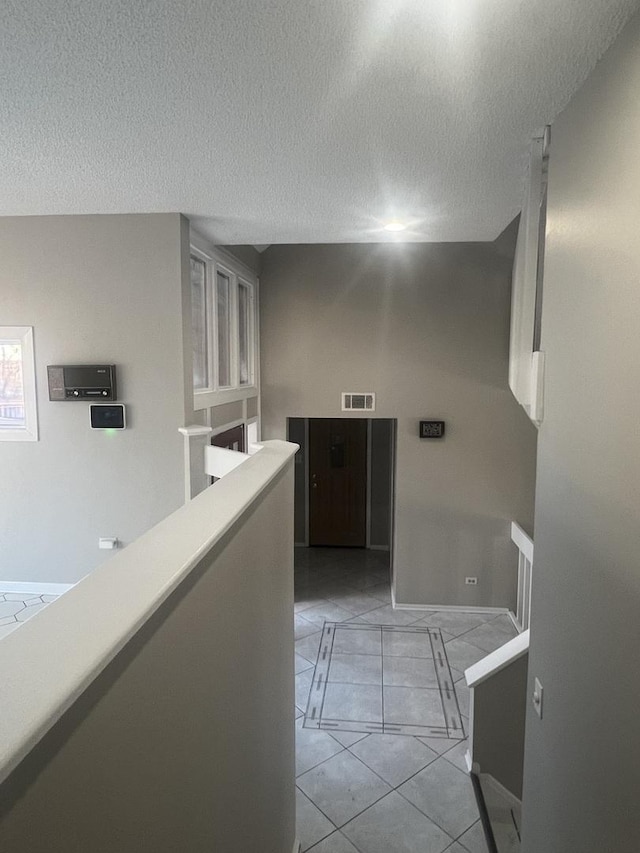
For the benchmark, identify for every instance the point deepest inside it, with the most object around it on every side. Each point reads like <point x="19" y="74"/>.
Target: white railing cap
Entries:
<point x="498" y="660"/>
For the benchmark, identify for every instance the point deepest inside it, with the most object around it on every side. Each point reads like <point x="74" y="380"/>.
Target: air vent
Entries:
<point x="358" y="402"/>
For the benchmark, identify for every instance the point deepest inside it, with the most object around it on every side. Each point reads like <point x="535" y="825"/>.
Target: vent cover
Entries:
<point x="358" y="402"/>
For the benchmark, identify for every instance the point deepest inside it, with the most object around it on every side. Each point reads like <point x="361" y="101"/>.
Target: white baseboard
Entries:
<point x="453" y="608"/>
<point x="36" y="587"/>
<point x="516" y="624"/>
<point x="469" y="762"/>
<point x="296" y="846"/>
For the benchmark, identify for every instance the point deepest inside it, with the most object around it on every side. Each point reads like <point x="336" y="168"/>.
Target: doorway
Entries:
<point x="344" y="481"/>
<point x="231" y="439"/>
<point x="338" y="482"/>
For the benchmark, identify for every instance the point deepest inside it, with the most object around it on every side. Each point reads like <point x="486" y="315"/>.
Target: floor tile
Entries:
<point x="473" y="839"/>
<point x="394" y="757"/>
<point x="335" y="843"/>
<point x="342" y="787"/>
<point x="457" y="755"/>
<point x="359" y="703"/>
<point x="348" y="738"/>
<point x="5" y="630"/>
<point x="462" y="655"/>
<point x="444" y="794"/>
<point x="455" y="623"/>
<point x="456" y="848"/>
<point x="413" y="706"/>
<point x="399" y="644"/>
<point x="491" y="635"/>
<point x="313" y="747"/>
<point x="381" y="591"/>
<point x="311" y="824"/>
<point x="10" y="608"/>
<point x="357" y="603"/>
<point x="303" y="628"/>
<point x="439" y="744"/>
<point x="351" y="641"/>
<point x="463" y="694"/>
<point x="386" y="615"/>
<point x="29" y="611"/>
<point x="356" y="669"/>
<point x="394" y="826"/>
<point x="327" y="611"/>
<point x="308" y="647"/>
<point x="301" y="664"/>
<point x="303" y="685"/>
<point x="409" y="672"/>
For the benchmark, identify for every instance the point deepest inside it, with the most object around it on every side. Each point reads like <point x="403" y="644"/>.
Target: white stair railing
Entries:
<point x="524" y="543"/>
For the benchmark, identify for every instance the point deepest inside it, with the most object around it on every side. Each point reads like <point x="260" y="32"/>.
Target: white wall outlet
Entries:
<point x="537" y="697"/>
<point x="471" y="581"/>
<point x="107" y="543"/>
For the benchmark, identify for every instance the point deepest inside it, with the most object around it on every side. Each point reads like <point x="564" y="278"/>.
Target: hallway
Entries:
<point x="377" y="793"/>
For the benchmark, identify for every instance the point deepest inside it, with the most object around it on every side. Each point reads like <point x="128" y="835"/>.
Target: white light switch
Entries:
<point x="537" y="697"/>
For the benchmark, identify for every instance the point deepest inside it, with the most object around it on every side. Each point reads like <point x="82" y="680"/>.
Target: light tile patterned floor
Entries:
<point x="17" y="607"/>
<point x="382" y="680"/>
<point x="382" y="793"/>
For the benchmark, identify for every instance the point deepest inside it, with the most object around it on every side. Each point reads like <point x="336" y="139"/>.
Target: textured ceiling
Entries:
<point x="271" y="121"/>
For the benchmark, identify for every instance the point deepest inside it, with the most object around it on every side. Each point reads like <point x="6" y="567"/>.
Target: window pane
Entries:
<point x="199" y="324"/>
<point x="243" y="334"/>
<point x="224" y="332"/>
<point x="12" y="413"/>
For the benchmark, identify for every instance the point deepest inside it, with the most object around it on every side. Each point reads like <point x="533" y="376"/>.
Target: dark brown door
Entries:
<point x="231" y="439"/>
<point x="337" y="481"/>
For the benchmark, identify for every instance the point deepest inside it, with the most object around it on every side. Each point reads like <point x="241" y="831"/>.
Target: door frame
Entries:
<point x="392" y="485"/>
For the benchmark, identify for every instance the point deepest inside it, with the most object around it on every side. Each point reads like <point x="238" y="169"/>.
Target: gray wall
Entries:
<point x="426" y="328"/>
<point x="95" y="289"/>
<point x="499" y="710"/>
<point x="582" y="764"/>
<point x="186" y="741"/>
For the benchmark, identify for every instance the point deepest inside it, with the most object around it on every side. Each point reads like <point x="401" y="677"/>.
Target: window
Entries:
<point x="244" y="333"/>
<point x="224" y="326"/>
<point x="199" y="324"/>
<point x="18" y="415"/>
<point x="223" y="309"/>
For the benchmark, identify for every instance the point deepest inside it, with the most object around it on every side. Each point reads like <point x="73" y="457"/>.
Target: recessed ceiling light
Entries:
<point x="395" y="226"/>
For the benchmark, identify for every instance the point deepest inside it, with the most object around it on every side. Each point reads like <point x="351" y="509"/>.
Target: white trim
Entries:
<point x="35" y="587"/>
<point x="522" y="540"/>
<point x="296" y="846"/>
<point x="498" y="660"/>
<point x="209" y="399"/>
<point x="194" y="429"/>
<point x="455" y="608"/>
<point x="469" y="762"/>
<point x="29" y="432"/>
<point x="514" y="619"/>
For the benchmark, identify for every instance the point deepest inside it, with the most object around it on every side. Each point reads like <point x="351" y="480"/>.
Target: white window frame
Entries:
<point x="24" y="336"/>
<point x="218" y="260"/>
